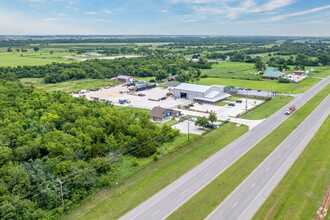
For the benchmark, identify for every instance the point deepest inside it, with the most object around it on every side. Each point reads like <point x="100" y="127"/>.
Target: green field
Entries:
<point x="301" y="191"/>
<point x="215" y="192"/>
<point x="10" y="59"/>
<point x="268" y="108"/>
<point x="264" y="85"/>
<point x="114" y="202"/>
<point x="230" y="69"/>
<point x="69" y="86"/>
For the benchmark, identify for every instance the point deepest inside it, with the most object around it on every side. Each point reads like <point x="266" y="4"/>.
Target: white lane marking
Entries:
<point x="206" y="175"/>
<point x="156" y="212"/>
<point x="289" y="145"/>
<point x="234" y="205"/>
<point x="253" y="185"/>
<point x="224" y="161"/>
<point x="278" y="156"/>
<point x="267" y="169"/>
<point x="184" y="192"/>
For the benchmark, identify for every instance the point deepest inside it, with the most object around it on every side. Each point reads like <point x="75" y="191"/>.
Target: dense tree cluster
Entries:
<point x="49" y="136"/>
<point x="99" y="69"/>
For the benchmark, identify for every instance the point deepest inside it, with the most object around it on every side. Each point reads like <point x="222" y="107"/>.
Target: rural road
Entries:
<point x="247" y="198"/>
<point x="163" y="203"/>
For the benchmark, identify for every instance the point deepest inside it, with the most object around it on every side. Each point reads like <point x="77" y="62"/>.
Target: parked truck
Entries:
<point x="290" y="110"/>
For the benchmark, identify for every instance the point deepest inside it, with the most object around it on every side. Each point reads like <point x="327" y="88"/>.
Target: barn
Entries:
<point x="207" y="94"/>
<point x="125" y="78"/>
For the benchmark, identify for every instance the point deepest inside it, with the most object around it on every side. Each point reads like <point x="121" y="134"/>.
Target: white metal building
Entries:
<point x="210" y="94"/>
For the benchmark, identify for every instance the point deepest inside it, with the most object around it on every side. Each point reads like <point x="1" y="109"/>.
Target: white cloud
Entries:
<point x="107" y="11"/>
<point x="19" y="23"/>
<point x="281" y="17"/>
<point x="164" y="11"/>
<point x="90" y="13"/>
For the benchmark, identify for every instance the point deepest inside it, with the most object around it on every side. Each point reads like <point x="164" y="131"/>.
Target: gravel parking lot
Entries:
<point x="120" y="92"/>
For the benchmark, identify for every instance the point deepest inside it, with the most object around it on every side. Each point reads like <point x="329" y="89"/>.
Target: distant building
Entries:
<point x="160" y="114"/>
<point x="272" y="72"/>
<point x="171" y="78"/>
<point x="125" y="78"/>
<point x="208" y="94"/>
<point x="298" y="72"/>
<point x="94" y="54"/>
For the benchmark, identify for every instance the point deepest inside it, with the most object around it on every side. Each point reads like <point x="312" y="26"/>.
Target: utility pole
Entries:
<point x="61" y="183"/>
<point x="188" y="131"/>
<point x="246" y="101"/>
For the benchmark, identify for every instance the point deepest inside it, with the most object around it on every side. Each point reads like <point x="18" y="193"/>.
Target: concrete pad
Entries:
<point x="193" y="129"/>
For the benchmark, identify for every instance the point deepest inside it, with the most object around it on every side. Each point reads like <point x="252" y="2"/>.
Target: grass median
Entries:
<point x="113" y="202"/>
<point x="300" y="193"/>
<point x="200" y="205"/>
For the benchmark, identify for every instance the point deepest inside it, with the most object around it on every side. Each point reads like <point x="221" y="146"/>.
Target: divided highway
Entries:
<point x="163" y="203"/>
<point x="247" y="198"/>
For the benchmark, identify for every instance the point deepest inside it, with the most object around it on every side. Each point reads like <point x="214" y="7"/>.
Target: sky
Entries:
<point x="165" y="17"/>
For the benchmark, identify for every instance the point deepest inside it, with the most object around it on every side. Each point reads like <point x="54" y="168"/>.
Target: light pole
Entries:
<point x="61" y="183"/>
<point x="246" y="101"/>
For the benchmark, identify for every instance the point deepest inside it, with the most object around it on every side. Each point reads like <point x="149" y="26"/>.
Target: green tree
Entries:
<point x="36" y="49"/>
<point x="202" y="121"/>
<point x="213" y="117"/>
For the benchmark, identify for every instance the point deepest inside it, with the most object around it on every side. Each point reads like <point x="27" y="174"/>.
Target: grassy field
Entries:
<point x="229" y="69"/>
<point x="215" y="192"/>
<point x="268" y="108"/>
<point x="114" y="202"/>
<point x="11" y="59"/>
<point x="301" y="191"/>
<point x="264" y="85"/>
<point x="69" y="86"/>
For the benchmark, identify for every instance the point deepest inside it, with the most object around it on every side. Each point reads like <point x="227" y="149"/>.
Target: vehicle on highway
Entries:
<point x="290" y="110"/>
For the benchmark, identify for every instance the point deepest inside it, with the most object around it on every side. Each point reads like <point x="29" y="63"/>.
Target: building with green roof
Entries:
<point x="272" y="72"/>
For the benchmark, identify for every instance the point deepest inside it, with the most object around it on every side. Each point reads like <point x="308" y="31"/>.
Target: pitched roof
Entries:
<point x="123" y="77"/>
<point x="273" y="72"/>
<point x="159" y="112"/>
<point x="193" y="87"/>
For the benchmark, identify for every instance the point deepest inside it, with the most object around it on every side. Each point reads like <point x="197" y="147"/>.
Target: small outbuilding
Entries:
<point x="298" y="72"/>
<point x="125" y="78"/>
<point x="160" y="114"/>
<point x="272" y="72"/>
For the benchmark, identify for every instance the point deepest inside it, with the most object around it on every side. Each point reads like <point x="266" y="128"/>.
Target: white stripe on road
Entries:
<point x="267" y="169"/>
<point x="253" y="185"/>
<point x="184" y="192"/>
<point x="234" y="205"/>
<point x="156" y="212"/>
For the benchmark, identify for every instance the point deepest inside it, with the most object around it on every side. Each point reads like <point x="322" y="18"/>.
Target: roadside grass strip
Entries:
<point x="202" y="203"/>
<point x="112" y="203"/>
<point x="300" y="193"/>
<point x="268" y="108"/>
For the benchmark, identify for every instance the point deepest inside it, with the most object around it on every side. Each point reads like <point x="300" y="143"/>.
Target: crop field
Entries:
<point x="69" y="86"/>
<point x="264" y="85"/>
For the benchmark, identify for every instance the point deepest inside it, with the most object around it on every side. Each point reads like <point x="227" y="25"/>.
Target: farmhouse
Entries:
<point x="125" y="78"/>
<point x="208" y="94"/>
<point x="162" y="114"/>
<point x="272" y="72"/>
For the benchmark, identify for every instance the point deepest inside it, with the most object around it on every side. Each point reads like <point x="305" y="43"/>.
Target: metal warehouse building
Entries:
<point x="209" y="94"/>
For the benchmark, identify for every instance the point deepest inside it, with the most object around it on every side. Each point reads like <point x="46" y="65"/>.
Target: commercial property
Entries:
<point x="208" y="94"/>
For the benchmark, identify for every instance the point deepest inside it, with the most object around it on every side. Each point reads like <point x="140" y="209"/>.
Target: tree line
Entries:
<point x="159" y="66"/>
<point x="48" y="138"/>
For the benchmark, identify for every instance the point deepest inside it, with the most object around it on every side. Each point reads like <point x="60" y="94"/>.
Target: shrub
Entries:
<point x="284" y="80"/>
<point x="152" y="81"/>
